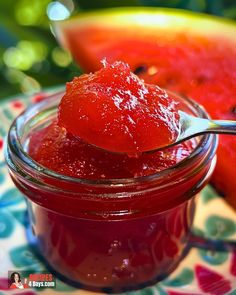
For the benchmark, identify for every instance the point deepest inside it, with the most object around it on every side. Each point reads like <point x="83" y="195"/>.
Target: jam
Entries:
<point x="55" y="148"/>
<point x="115" y="110"/>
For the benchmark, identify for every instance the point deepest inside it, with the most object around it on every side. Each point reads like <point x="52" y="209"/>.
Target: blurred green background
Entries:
<point x="30" y="57"/>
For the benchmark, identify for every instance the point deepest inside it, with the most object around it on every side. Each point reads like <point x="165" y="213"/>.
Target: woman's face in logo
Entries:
<point x="16" y="277"/>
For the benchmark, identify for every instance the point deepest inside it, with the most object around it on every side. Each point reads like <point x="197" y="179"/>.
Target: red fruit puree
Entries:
<point x="108" y="235"/>
<point x="144" y="117"/>
<point x="113" y="109"/>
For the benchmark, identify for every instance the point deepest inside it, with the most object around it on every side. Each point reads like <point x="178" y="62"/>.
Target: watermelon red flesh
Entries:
<point x="183" y="52"/>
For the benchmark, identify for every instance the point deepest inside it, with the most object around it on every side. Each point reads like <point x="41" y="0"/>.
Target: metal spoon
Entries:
<point x="191" y="126"/>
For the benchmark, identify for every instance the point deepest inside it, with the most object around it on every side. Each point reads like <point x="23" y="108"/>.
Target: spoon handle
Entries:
<point x="222" y="126"/>
<point x="192" y="126"/>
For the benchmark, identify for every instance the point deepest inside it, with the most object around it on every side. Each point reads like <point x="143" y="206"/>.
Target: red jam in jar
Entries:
<point x="105" y="220"/>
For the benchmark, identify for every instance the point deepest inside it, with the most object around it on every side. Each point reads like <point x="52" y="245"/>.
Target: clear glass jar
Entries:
<point x="110" y="235"/>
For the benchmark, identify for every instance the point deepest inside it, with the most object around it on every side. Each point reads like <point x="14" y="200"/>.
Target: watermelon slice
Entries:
<point x="192" y="54"/>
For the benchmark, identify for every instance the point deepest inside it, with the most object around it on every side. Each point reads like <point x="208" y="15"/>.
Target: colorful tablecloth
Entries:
<point x="201" y="272"/>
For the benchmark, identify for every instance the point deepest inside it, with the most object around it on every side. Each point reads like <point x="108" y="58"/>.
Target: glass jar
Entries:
<point x="114" y="234"/>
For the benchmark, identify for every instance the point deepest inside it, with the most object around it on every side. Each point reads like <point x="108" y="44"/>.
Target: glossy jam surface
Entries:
<point x="114" y="110"/>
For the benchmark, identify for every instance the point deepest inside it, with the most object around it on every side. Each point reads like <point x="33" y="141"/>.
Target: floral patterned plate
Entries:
<point x="203" y="271"/>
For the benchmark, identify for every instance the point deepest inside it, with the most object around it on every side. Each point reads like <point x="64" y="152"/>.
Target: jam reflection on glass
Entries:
<point x="117" y="254"/>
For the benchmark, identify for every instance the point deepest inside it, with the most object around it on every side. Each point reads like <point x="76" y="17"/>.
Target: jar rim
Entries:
<point x="15" y="146"/>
